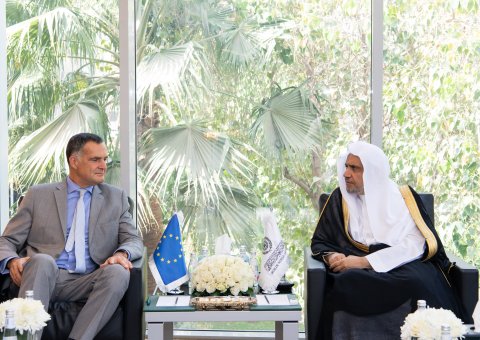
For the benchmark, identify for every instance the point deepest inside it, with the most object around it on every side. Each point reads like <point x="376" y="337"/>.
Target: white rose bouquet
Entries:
<point x="222" y="275"/>
<point x="427" y="324"/>
<point x="29" y="314"/>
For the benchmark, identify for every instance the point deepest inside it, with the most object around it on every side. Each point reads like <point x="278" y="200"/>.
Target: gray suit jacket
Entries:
<point x="39" y="225"/>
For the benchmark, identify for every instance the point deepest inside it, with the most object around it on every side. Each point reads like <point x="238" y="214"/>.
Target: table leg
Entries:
<point x="168" y="330"/>
<point x="286" y="330"/>
<point x="160" y="331"/>
<point x="279" y="330"/>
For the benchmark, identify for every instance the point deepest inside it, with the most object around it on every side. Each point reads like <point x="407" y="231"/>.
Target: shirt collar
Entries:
<point x="72" y="186"/>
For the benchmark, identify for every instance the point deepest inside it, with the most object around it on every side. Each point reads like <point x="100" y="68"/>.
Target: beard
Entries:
<point x="355" y="190"/>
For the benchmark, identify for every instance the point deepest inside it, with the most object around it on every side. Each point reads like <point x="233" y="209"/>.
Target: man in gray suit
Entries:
<point x="68" y="249"/>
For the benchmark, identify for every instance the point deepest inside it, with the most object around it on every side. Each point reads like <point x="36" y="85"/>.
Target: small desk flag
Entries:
<point x="167" y="262"/>
<point x="275" y="258"/>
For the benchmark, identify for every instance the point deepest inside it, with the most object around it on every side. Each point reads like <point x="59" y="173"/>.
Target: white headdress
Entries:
<point x="388" y="216"/>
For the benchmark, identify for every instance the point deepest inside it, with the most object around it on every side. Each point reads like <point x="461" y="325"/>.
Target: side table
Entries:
<point x="160" y="319"/>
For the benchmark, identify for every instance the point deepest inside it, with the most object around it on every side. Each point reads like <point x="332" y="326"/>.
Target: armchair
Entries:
<point x="464" y="280"/>
<point x="126" y="323"/>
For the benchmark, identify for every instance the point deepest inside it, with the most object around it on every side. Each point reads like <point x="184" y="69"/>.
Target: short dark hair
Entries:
<point x="77" y="142"/>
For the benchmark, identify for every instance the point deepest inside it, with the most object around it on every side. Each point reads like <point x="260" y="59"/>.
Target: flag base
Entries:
<point x="175" y="291"/>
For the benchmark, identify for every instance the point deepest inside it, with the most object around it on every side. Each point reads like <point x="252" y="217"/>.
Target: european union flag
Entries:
<point x="167" y="263"/>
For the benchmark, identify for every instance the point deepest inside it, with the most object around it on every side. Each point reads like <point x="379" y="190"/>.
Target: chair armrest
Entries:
<point x="315" y="279"/>
<point x="133" y="322"/>
<point x="142" y="261"/>
<point x="8" y="289"/>
<point x="464" y="278"/>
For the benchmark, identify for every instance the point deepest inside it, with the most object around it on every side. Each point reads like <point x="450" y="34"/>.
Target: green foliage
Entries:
<point x="40" y="156"/>
<point x="295" y="73"/>
<point x="287" y="120"/>
<point x="196" y="293"/>
<point x="431" y="125"/>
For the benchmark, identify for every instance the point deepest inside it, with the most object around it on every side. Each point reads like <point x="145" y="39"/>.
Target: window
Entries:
<point x="431" y="123"/>
<point x="243" y="104"/>
<point x="62" y="79"/>
<point x="239" y="105"/>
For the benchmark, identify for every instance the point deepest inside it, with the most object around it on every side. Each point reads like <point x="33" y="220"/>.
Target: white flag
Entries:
<point x="275" y="258"/>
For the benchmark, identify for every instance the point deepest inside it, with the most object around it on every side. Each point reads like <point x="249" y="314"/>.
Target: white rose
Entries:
<point x="237" y="276"/>
<point x="243" y="286"/>
<point x="235" y="291"/>
<point x="210" y="289"/>
<point x="230" y="282"/>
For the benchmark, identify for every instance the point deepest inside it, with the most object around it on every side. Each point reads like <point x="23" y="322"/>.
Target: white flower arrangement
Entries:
<point x="29" y="314"/>
<point x="426" y="324"/>
<point x="222" y="275"/>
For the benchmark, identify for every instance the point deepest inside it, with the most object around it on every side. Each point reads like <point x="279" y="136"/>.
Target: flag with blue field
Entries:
<point x="167" y="262"/>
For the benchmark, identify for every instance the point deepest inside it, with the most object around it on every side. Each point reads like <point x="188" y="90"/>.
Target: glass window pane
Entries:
<point x="62" y="79"/>
<point x="431" y="125"/>
<point x="246" y="104"/>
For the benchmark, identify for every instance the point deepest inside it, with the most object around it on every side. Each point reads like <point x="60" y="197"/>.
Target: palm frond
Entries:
<point x="39" y="157"/>
<point x="250" y="41"/>
<point x="28" y="91"/>
<point x="19" y="10"/>
<point x="193" y="153"/>
<point x="146" y="198"/>
<point x="175" y="70"/>
<point x="59" y="32"/>
<point x="113" y="175"/>
<point x="234" y="215"/>
<point x="211" y="15"/>
<point x="15" y="11"/>
<point x="286" y="120"/>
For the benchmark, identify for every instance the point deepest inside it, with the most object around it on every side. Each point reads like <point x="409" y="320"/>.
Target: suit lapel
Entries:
<point x="61" y="200"/>
<point x="96" y="206"/>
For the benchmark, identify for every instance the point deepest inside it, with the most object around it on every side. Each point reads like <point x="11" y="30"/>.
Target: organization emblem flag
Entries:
<point x="275" y="258"/>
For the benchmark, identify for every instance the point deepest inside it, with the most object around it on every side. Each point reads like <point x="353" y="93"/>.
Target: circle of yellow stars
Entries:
<point x="169" y="260"/>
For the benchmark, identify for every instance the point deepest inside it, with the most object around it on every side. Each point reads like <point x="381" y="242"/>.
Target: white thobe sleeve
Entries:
<point x="410" y="248"/>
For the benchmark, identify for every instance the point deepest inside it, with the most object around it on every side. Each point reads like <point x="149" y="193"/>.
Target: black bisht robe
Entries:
<point x="366" y="292"/>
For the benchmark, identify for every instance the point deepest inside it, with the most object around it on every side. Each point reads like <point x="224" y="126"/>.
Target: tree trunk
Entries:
<point x="151" y="236"/>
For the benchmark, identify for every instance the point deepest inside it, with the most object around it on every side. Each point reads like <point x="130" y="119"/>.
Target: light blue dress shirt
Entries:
<point x="67" y="260"/>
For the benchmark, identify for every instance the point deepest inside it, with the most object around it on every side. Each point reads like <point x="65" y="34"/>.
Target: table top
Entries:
<point x="151" y="306"/>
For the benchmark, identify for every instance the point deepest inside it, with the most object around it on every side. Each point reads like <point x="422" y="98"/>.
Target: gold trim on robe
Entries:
<point x="321" y="213"/>
<point x="325" y="205"/>
<point x="346" y="217"/>
<point x="430" y="239"/>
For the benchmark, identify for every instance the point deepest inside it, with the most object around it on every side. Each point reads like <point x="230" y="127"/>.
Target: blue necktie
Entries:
<point x="77" y="235"/>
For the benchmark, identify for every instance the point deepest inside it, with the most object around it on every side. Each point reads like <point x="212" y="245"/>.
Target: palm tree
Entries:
<point x="183" y="159"/>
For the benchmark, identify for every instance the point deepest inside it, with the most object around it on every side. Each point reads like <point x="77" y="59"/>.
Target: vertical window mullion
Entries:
<point x="128" y="127"/>
<point x="376" y="117"/>
<point x="4" y="202"/>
